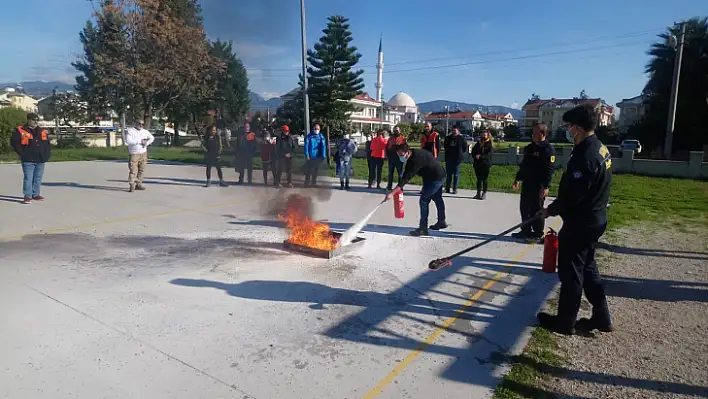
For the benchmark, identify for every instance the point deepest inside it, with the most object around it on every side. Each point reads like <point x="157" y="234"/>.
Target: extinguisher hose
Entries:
<point x="438" y="263"/>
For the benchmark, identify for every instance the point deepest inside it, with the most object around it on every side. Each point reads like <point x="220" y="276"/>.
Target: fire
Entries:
<point x="303" y="230"/>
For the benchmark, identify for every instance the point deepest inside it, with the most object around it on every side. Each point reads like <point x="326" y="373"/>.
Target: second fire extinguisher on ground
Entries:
<point x="550" y="252"/>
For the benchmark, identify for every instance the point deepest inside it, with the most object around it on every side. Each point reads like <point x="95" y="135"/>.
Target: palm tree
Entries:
<point x="690" y="132"/>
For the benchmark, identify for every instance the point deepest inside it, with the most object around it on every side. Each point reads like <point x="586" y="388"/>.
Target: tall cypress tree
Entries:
<point x="332" y="79"/>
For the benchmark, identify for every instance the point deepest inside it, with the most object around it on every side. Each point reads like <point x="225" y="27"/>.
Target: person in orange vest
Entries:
<point x="246" y="151"/>
<point x="378" y="154"/>
<point x="430" y="140"/>
<point x="394" y="164"/>
<point x="31" y="143"/>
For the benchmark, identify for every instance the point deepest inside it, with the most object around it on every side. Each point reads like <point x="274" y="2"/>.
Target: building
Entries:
<point x="631" y="111"/>
<point x="469" y="121"/>
<point x="10" y="97"/>
<point x="404" y="104"/>
<point x="550" y="112"/>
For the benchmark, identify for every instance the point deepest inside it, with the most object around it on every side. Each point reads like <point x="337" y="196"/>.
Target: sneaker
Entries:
<point x="484" y="196"/>
<point x="140" y="187"/>
<point x="347" y="187"/>
<point x="131" y="189"/>
<point x="551" y="323"/>
<point x="27" y="200"/>
<point x="208" y="183"/>
<point x="38" y="198"/>
<point x="478" y="196"/>
<point x="389" y="188"/>
<point x="419" y="232"/>
<point x="590" y="324"/>
<point x="439" y="226"/>
<point x="521" y="235"/>
<point x="454" y="191"/>
<point x="341" y="186"/>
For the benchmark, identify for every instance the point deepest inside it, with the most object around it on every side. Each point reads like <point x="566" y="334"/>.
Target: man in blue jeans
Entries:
<point x="423" y="164"/>
<point x="32" y="144"/>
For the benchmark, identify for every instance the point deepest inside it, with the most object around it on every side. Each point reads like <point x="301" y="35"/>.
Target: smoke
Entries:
<point x="276" y="202"/>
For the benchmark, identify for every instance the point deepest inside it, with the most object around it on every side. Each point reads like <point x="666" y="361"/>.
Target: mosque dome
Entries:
<point x="401" y="100"/>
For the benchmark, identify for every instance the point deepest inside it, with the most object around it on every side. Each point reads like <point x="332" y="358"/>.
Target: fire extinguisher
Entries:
<point x="398" y="205"/>
<point x="550" y="251"/>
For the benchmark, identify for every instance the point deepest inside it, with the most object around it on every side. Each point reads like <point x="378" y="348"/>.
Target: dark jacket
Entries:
<point x="455" y="148"/>
<point x="423" y="164"/>
<point x="393" y="141"/>
<point x="485" y="149"/>
<point x="285" y="145"/>
<point x="247" y="146"/>
<point x="536" y="169"/>
<point x="430" y="142"/>
<point x="584" y="189"/>
<point x="213" y="147"/>
<point x="32" y="145"/>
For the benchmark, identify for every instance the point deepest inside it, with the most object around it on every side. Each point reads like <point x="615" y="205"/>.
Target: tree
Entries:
<point x="333" y="82"/>
<point x="511" y="132"/>
<point x="10" y="118"/>
<point x="292" y="112"/>
<point x="689" y="131"/>
<point x="231" y="97"/>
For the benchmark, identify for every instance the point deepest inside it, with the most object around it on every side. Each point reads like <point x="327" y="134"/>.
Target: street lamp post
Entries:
<point x="674" y="89"/>
<point x="306" y="98"/>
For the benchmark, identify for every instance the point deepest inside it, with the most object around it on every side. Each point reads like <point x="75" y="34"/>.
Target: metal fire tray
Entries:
<point x="322" y="253"/>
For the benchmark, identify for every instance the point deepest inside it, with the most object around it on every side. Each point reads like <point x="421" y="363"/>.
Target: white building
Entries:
<point x="403" y="103"/>
<point x="631" y="111"/>
<point x="9" y="97"/>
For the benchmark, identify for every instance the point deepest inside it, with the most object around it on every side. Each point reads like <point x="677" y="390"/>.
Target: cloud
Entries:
<point x="515" y="105"/>
<point x="51" y="74"/>
<point x="270" y="94"/>
<point x="254" y="51"/>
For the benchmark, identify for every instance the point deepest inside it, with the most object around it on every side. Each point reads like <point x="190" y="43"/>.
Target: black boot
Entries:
<point x="484" y="196"/>
<point x="552" y="323"/>
<point x="439" y="226"/>
<point x="478" y="196"/>
<point x="341" y="185"/>
<point x="346" y="186"/>
<point x="420" y="231"/>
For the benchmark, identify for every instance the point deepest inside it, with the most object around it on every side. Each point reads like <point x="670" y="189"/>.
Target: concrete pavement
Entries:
<point x="186" y="292"/>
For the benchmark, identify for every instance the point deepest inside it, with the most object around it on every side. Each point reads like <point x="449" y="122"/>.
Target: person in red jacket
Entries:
<point x="378" y="155"/>
<point x="268" y="157"/>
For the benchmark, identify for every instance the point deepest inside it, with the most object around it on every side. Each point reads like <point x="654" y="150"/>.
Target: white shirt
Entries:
<point x="133" y="138"/>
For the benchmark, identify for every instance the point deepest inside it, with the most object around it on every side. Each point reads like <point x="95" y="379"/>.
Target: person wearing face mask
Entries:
<point x="536" y="172"/>
<point x="285" y="150"/>
<point x="423" y="164"/>
<point x="32" y="144"/>
<point x="315" y="152"/>
<point x="582" y="199"/>
<point x="482" y="163"/>
<point x="346" y="149"/>
<point x="267" y="157"/>
<point x="378" y="156"/>
<point x="394" y="164"/>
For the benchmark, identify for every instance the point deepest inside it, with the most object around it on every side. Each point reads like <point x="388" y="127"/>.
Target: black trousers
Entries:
<point x="247" y="164"/>
<point x="311" y="169"/>
<point x="219" y="172"/>
<point x="375" y="170"/>
<point x="394" y="164"/>
<point x="531" y="202"/>
<point x="266" y="166"/>
<point x="284" y="165"/>
<point x="481" y="171"/>
<point x="578" y="273"/>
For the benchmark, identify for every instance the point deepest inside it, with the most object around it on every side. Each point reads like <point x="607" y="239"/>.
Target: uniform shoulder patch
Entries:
<point x="577" y="174"/>
<point x="553" y="158"/>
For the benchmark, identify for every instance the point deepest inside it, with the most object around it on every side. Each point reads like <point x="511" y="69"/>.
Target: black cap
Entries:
<point x="32" y="117"/>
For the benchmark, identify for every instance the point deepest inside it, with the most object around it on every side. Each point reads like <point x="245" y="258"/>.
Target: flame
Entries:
<point x="303" y="230"/>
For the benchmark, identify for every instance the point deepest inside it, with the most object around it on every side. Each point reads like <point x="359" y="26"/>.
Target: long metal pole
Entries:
<point x="306" y="98"/>
<point x="674" y="94"/>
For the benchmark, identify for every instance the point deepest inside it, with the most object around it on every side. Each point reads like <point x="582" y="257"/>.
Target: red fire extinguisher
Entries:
<point x="550" y="251"/>
<point x="398" y="205"/>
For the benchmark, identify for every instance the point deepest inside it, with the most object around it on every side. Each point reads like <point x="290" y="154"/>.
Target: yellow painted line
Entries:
<point x="127" y="219"/>
<point x="391" y="376"/>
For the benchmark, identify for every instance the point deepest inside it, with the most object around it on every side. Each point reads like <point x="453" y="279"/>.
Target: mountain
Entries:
<point x="439" y="106"/>
<point x="259" y="103"/>
<point x="39" y="89"/>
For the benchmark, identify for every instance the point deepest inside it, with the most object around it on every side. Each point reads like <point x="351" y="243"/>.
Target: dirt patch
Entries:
<point x="657" y="287"/>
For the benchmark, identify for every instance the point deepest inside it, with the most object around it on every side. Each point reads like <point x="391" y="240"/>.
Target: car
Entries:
<point x="631" y="145"/>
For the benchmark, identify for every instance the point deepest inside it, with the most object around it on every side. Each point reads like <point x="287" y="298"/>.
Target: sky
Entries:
<point x="475" y="51"/>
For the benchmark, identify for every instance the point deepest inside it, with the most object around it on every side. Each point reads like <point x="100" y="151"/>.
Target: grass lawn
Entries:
<point x="633" y="199"/>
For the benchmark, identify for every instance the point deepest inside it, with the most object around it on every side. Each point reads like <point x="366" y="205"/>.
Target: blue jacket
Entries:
<point x="315" y="146"/>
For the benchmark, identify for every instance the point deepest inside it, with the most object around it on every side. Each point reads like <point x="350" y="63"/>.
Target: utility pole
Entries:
<point x="306" y="98"/>
<point x="56" y="114"/>
<point x="447" y="119"/>
<point x="674" y="91"/>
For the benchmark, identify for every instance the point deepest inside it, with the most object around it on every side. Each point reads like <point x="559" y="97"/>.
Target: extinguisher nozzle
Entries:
<point x="439" y="263"/>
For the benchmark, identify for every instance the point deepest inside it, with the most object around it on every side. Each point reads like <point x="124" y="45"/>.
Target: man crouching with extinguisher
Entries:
<point x="423" y="164"/>
<point x="582" y="204"/>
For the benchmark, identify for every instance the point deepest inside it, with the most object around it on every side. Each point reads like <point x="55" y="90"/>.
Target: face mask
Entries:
<point x="317" y="132"/>
<point x="402" y="158"/>
<point x="569" y="137"/>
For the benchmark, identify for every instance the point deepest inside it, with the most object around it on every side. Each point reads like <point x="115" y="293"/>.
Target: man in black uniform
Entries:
<point x="423" y="164"/>
<point x="536" y="172"/>
<point x="582" y="204"/>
